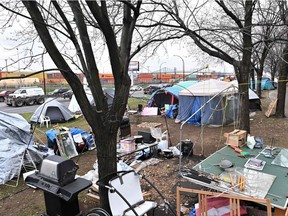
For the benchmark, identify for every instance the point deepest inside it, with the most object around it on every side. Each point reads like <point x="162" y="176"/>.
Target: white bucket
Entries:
<point x="163" y="145"/>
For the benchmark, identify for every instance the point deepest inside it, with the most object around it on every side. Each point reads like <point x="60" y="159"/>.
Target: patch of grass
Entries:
<point x="27" y="116"/>
<point x="80" y="122"/>
<point x="7" y="191"/>
<point x="27" y="211"/>
<point x="133" y="102"/>
<point x="40" y="132"/>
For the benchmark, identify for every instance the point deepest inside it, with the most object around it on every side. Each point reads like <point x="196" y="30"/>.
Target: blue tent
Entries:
<point x="266" y="84"/>
<point x="211" y="102"/>
<point x="168" y="95"/>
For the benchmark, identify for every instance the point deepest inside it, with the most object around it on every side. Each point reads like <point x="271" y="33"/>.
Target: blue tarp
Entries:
<point x="51" y="134"/>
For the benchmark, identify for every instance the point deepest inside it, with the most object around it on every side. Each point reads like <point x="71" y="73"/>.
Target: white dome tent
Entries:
<point x="56" y="111"/>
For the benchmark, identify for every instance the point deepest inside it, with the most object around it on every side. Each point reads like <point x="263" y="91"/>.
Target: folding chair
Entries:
<point x="44" y="120"/>
<point x="125" y="195"/>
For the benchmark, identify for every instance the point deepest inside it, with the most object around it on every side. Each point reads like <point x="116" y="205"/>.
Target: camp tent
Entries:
<point x="168" y="95"/>
<point x="75" y="108"/>
<point x="266" y="84"/>
<point x="15" y="137"/>
<point x="56" y="111"/>
<point x="211" y="102"/>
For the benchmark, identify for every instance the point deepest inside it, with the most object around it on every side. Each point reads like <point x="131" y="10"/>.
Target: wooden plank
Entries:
<point x="93" y="196"/>
<point x="149" y="124"/>
<point x="280" y="212"/>
<point x="271" y="106"/>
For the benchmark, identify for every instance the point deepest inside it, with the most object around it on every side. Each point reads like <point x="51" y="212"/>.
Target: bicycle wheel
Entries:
<point x="97" y="212"/>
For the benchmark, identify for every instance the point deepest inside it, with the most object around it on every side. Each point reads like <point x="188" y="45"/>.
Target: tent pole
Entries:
<point x="183" y="123"/>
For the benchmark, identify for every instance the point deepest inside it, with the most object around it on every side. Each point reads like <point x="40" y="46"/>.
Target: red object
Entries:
<point x="236" y="149"/>
<point x="220" y="206"/>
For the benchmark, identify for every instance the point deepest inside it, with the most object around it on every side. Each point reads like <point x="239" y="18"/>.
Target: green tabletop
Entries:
<point x="279" y="189"/>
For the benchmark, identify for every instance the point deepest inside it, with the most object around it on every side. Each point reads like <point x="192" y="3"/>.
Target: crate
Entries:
<point x="127" y="145"/>
<point x="236" y="138"/>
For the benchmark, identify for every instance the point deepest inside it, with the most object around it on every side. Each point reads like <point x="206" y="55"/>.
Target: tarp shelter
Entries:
<point x="254" y="100"/>
<point x="168" y="95"/>
<point x="15" y="137"/>
<point x="56" y="111"/>
<point x="212" y="102"/>
<point x="75" y="108"/>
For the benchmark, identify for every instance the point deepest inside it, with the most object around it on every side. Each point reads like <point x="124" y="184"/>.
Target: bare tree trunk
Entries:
<point x="107" y="162"/>
<point x="252" y="77"/>
<point x="280" y="108"/>
<point x="244" y="96"/>
<point x="259" y="81"/>
<point x="245" y="68"/>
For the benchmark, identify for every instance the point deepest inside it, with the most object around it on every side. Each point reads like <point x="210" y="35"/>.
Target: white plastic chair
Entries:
<point x="44" y="120"/>
<point x="128" y="186"/>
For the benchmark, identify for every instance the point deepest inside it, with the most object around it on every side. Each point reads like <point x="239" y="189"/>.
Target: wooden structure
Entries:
<point x="271" y="107"/>
<point x="233" y="200"/>
<point x="236" y="138"/>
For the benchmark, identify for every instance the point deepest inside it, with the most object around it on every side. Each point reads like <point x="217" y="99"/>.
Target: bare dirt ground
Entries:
<point x="24" y="201"/>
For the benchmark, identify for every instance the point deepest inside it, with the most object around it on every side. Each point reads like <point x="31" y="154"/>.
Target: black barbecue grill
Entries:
<point x="57" y="179"/>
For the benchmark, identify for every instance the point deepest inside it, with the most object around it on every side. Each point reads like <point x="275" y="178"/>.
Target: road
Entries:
<point x="27" y="109"/>
<point x="31" y="109"/>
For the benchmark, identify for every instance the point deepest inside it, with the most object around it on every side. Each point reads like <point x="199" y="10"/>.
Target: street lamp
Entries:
<point x="183" y="65"/>
<point x="161" y="71"/>
<point x="18" y="60"/>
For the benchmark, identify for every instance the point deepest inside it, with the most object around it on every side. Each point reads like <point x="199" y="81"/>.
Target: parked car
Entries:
<point x="150" y="89"/>
<point x="25" y="96"/>
<point x="135" y="88"/>
<point x="68" y="94"/>
<point x="4" y="94"/>
<point x="58" y="92"/>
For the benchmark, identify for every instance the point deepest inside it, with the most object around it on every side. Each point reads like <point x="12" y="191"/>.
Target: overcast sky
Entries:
<point x="164" y="59"/>
<point x="167" y="61"/>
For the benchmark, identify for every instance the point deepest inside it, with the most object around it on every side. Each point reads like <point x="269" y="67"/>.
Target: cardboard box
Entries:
<point x="127" y="145"/>
<point x="236" y="138"/>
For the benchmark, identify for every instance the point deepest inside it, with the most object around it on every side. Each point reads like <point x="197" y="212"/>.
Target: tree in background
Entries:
<point x="283" y="70"/>
<point x="273" y="61"/>
<point x="266" y="33"/>
<point x="233" y="31"/>
<point x="73" y="34"/>
<point x="222" y="29"/>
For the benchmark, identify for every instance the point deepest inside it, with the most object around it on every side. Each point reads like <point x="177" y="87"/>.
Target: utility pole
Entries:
<point x="161" y="71"/>
<point x="18" y="60"/>
<point x="43" y="74"/>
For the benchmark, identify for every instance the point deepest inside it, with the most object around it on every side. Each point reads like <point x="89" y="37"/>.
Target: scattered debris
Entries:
<point x="149" y="124"/>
